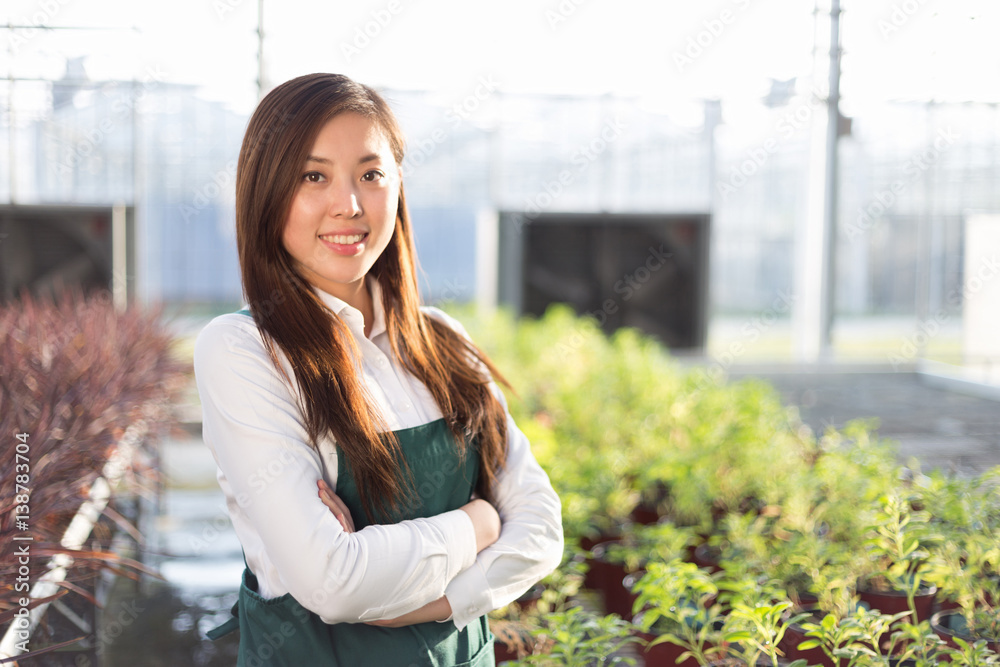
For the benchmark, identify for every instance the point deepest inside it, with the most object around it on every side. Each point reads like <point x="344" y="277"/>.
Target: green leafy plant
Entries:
<point x="642" y="544"/>
<point x="578" y="638"/>
<point x="965" y="564"/>
<point x="916" y="643"/>
<point x="679" y="604"/>
<point x="971" y="654"/>
<point x="752" y="633"/>
<point x="856" y="639"/>
<point x="898" y="545"/>
<point x="616" y="421"/>
<point x="961" y="569"/>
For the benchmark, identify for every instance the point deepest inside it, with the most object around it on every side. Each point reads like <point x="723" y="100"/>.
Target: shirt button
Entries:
<point x="381" y="362"/>
<point x="405" y="406"/>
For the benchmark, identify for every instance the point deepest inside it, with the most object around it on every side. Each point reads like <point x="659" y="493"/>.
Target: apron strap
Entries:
<point x="232" y="625"/>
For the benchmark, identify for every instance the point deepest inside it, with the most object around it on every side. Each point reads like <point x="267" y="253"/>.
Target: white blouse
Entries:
<point x="294" y="544"/>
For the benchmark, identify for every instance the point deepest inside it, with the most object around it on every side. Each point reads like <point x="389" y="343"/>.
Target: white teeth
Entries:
<point x="344" y="240"/>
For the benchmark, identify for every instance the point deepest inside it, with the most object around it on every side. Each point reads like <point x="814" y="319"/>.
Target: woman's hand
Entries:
<point x="485" y="520"/>
<point x="336" y="505"/>
<point x="438" y="610"/>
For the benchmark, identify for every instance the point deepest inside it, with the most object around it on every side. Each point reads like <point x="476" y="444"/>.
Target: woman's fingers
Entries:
<point x="336" y="505"/>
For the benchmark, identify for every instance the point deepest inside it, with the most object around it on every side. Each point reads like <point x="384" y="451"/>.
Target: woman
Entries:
<point x="384" y="498"/>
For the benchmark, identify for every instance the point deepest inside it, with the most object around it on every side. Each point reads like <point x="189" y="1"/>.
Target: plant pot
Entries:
<point x="610" y="580"/>
<point x="646" y="515"/>
<point x="664" y="654"/>
<point x="501" y="653"/>
<point x="894" y="602"/>
<point x="706" y="556"/>
<point x="620" y="599"/>
<point x="796" y="634"/>
<point x="510" y="636"/>
<point x="601" y="574"/>
<point x="530" y="599"/>
<point x="733" y="662"/>
<point x="951" y="624"/>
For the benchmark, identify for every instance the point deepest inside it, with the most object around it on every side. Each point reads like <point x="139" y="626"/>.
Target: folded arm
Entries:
<point x="531" y="539"/>
<point x="253" y="427"/>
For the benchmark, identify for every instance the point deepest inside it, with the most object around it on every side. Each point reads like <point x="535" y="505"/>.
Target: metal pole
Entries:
<point x="830" y="216"/>
<point x="815" y="254"/>
<point x="119" y="255"/>
<point x="11" y="152"/>
<point x="261" y="87"/>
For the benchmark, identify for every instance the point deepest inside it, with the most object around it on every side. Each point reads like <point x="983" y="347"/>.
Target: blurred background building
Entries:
<point x="910" y="171"/>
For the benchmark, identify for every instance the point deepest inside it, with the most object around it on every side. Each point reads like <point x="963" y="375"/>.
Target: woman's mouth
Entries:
<point x="344" y="244"/>
<point x="341" y="239"/>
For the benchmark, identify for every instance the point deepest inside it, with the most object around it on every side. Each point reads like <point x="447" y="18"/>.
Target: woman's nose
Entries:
<point x="344" y="202"/>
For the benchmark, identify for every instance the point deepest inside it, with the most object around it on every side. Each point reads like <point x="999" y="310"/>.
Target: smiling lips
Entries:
<point x="341" y="239"/>
<point x="344" y="244"/>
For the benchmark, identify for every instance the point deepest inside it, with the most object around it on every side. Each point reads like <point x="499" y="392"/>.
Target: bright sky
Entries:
<point x="667" y="51"/>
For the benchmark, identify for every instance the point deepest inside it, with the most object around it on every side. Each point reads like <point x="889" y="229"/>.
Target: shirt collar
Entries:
<point x="351" y="315"/>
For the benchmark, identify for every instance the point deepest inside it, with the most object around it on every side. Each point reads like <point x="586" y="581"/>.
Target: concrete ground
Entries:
<point x="941" y="428"/>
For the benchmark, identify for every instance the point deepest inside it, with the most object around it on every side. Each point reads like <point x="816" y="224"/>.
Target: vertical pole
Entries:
<point x="816" y="242"/>
<point x="119" y="256"/>
<point x="11" y="151"/>
<point x="832" y="164"/>
<point x="261" y="87"/>
<point x="138" y="245"/>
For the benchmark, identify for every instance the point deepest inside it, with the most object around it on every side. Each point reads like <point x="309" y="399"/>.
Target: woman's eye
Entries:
<point x="313" y="177"/>
<point x="372" y="175"/>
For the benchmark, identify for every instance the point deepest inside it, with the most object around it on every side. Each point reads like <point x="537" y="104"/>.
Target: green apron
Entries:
<point x="281" y="632"/>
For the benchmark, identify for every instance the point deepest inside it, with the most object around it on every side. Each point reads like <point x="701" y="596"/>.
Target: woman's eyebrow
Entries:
<point x="371" y="157"/>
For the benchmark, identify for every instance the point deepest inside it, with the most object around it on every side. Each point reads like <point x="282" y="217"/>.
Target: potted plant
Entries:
<point x="898" y="546"/>
<point x="515" y="624"/>
<point x="752" y="634"/>
<point x="575" y="637"/>
<point x="612" y="562"/>
<point x="953" y="627"/>
<point x="678" y="605"/>
<point x="965" y="564"/>
<point x="971" y="654"/>
<point x="855" y="639"/>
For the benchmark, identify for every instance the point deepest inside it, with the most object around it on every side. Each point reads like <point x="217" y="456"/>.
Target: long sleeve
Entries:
<point x="531" y="538"/>
<point x="268" y="472"/>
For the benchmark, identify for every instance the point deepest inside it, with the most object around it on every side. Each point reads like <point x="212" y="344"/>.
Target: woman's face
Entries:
<point x="344" y="209"/>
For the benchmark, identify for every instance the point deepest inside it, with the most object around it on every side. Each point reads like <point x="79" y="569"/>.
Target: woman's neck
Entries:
<point x="360" y="298"/>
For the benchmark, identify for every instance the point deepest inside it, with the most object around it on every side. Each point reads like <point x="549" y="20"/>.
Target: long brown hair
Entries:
<point x="316" y="342"/>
